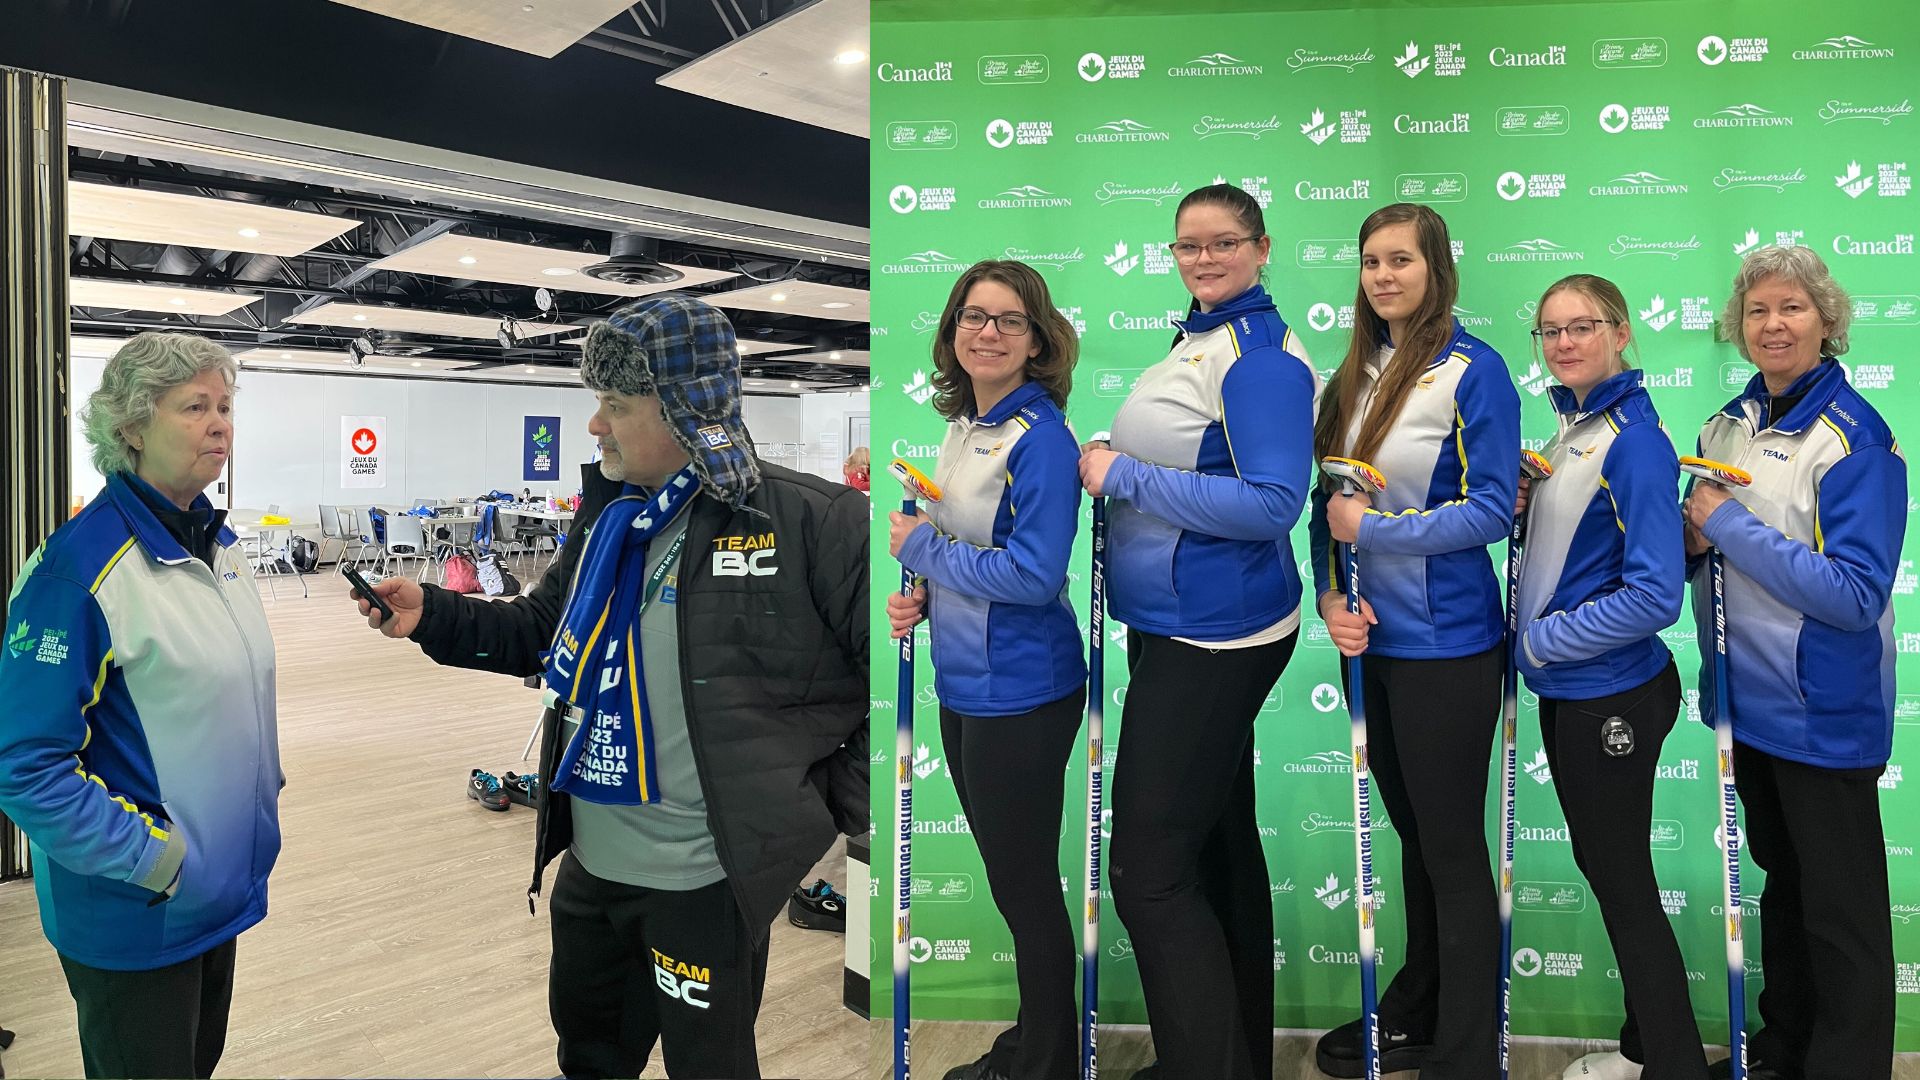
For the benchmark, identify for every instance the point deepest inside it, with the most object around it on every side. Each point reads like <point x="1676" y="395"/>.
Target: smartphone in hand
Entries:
<point x="360" y="586"/>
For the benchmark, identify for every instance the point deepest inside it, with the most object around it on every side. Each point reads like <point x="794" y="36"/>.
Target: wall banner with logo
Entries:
<point x="1654" y="144"/>
<point x="363" y="451"/>
<point x="540" y="449"/>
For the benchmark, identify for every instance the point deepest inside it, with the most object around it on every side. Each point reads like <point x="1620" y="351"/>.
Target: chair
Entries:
<point x="330" y="530"/>
<point x="508" y="536"/>
<point x="406" y="539"/>
<point x="352" y="538"/>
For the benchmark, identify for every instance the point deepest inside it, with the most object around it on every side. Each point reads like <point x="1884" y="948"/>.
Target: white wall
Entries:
<point x="814" y="425"/>
<point x="446" y="440"/>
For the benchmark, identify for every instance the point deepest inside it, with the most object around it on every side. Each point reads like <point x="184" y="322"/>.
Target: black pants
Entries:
<point x="1010" y="774"/>
<point x="1430" y="730"/>
<point x="1189" y="875"/>
<point x="634" y="966"/>
<point x="169" y="1021"/>
<point x="1608" y="802"/>
<point x="1826" y="938"/>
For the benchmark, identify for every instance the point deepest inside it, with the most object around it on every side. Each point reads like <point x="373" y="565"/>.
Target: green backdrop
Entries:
<point x="1651" y="143"/>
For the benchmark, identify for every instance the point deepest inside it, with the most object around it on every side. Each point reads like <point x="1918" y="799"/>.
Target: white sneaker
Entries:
<point x="1605" y="1065"/>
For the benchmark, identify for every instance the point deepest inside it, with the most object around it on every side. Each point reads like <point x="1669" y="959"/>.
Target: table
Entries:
<point x="542" y="514"/>
<point x="247" y="524"/>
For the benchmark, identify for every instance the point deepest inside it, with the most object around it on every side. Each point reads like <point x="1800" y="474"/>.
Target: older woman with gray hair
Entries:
<point x="140" y="753"/>
<point x="1810" y="548"/>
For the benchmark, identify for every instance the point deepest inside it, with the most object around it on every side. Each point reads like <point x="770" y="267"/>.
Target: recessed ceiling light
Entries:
<point x="793" y="386"/>
<point x="559" y="271"/>
<point x="467" y="260"/>
<point x="529" y="371"/>
<point x="834" y="355"/>
<point x="177" y="302"/>
<point x="250" y="233"/>
<point x="836" y="304"/>
<point x="359" y="318"/>
<point x="850" y="56"/>
<point x="778" y="298"/>
<point x="416" y="363"/>
<point x="740" y="348"/>
<point x="286" y="356"/>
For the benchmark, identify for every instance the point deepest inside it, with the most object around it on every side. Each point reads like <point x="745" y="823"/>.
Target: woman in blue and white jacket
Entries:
<point x="1007" y="657"/>
<point x="139" y="750"/>
<point x="1602" y="573"/>
<point x="1811" y="550"/>
<point x="1207" y="471"/>
<point x="1433" y="408"/>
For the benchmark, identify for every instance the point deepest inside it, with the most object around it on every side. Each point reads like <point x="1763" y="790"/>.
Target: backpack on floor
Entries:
<point x="460" y="576"/>
<point x="495" y="579"/>
<point x="305" y="554"/>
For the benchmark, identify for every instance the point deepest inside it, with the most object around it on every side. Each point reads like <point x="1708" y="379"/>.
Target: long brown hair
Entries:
<point x="1428" y="332"/>
<point x="1059" y="345"/>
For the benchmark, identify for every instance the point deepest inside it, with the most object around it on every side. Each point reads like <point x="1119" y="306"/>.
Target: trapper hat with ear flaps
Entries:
<point x="681" y="351"/>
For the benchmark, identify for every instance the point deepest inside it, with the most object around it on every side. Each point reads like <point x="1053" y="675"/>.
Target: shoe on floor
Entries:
<point x="978" y="1069"/>
<point x="486" y="788"/>
<point x="523" y="788"/>
<point x="818" y="907"/>
<point x="1338" y="1052"/>
<point x="1605" y="1065"/>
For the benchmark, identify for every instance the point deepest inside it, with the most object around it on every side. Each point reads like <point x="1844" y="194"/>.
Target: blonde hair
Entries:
<point x="1606" y="296"/>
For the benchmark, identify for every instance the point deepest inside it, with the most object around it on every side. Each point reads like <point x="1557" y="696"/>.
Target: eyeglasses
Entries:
<point x="1188" y="252"/>
<point x="1577" y="331"/>
<point x="1009" y="323"/>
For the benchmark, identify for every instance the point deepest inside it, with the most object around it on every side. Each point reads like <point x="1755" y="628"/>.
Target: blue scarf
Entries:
<point x="594" y="664"/>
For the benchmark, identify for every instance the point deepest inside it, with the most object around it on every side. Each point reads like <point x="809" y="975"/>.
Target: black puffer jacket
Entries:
<point x="773" y="668"/>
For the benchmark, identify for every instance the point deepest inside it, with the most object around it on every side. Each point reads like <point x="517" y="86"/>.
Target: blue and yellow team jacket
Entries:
<point x="1811" y="550"/>
<point x="138" y="744"/>
<point x="1604" y="566"/>
<point x="1004" y="636"/>
<point x="1218" y="453"/>
<point x="1452" y="463"/>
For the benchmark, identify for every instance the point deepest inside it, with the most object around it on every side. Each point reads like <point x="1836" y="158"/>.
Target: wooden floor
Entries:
<point x="939" y="1046"/>
<point x="398" y="941"/>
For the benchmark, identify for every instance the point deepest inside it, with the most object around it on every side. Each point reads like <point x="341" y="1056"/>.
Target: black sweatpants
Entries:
<point x="1010" y="774"/>
<point x="634" y="966"/>
<point x="1430" y="731"/>
<point x="1608" y="802"/>
<point x="1826" y="935"/>
<point x="1189" y="875"/>
<point x="169" y="1021"/>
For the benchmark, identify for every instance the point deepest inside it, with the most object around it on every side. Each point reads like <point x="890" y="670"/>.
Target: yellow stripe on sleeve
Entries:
<point x="1844" y="444"/>
<point x="108" y="569"/>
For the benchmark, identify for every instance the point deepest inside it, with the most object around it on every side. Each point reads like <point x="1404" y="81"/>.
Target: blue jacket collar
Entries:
<point x="1446" y="350"/>
<point x="1602" y="397"/>
<point x="1018" y="398"/>
<point x="125" y="491"/>
<point x="1252" y="301"/>
<point x="1819" y="385"/>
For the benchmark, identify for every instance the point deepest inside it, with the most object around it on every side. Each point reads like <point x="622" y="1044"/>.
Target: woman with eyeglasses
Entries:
<point x="1433" y="408"/>
<point x="1811" y="551"/>
<point x="1007" y="659"/>
<point x="1601" y="574"/>
<point x="1207" y="473"/>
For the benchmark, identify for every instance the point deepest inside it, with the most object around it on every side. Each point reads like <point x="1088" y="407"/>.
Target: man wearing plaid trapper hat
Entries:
<point x="704" y="641"/>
